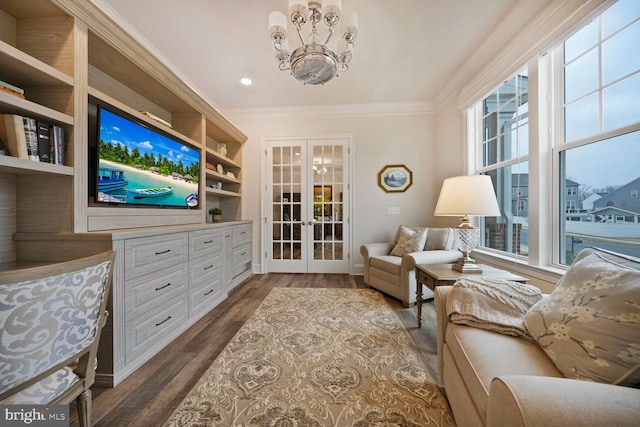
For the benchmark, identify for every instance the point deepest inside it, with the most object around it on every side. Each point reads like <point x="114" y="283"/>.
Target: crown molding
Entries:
<point x="339" y="110"/>
<point x="530" y="28"/>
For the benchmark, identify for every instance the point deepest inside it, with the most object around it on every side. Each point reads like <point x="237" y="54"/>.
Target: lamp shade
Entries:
<point x="467" y="195"/>
<point x="351" y="23"/>
<point x="277" y="23"/>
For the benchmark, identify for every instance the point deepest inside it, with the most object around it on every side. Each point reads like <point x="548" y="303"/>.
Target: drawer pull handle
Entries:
<point x="243" y="232"/>
<point x="163" y="252"/>
<point x="207" y="293"/>
<point x="164" y="321"/>
<point x="165" y="286"/>
<point x="208" y="241"/>
<point x="206" y="268"/>
<point x="243" y="253"/>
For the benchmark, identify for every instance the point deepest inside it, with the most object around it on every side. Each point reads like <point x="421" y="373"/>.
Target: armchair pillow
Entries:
<point x="440" y="239"/>
<point x="590" y="324"/>
<point x="410" y="240"/>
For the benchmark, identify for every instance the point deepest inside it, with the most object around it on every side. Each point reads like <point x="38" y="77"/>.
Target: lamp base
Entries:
<point x="466" y="267"/>
<point x="468" y="236"/>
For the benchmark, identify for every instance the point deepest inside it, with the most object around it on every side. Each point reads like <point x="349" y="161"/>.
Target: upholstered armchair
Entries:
<point x="51" y="317"/>
<point x="390" y="266"/>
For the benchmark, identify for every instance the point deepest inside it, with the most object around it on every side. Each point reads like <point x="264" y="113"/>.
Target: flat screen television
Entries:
<point x="137" y="164"/>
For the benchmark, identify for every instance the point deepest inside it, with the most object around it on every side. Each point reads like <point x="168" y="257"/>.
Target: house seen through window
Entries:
<point x="589" y="89"/>
<point x="600" y="151"/>
<point x="504" y="147"/>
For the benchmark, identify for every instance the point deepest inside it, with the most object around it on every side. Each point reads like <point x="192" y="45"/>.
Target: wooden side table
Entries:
<point x="432" y="275"/>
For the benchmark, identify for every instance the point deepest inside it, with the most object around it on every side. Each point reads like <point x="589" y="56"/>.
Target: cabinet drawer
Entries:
<point x="147" y="254"/>
<point x="201" y="296"/>
<point x="241" y="255"/>
<point x="204" y="242"/>
<point x="241" y="259"/>
<point x="206" y="268"/>
<point x="150" y="329"/>
<point x="146" y="292"/>
<point x="241" y="234"/>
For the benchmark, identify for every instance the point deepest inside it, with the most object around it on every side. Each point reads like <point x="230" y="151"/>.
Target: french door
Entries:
<point x="307" y="215"/>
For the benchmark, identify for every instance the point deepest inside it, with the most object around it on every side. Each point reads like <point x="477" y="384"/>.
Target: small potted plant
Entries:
<point x="216" y="214"/>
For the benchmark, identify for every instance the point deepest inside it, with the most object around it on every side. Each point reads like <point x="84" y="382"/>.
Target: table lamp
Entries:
<point x="465" y="196"/>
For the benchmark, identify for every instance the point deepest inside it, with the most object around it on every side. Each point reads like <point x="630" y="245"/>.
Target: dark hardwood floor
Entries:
<point x="149" y="395"/>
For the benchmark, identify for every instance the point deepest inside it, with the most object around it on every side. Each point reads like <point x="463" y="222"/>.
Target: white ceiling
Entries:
<point x="406" y="50"/>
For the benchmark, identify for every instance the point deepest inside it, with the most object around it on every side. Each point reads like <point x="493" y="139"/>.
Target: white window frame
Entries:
<point x="556" y="111"/>
<point x="546" y="141"/>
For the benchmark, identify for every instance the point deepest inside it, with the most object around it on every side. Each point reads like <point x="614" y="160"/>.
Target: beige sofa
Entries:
<point x="395" y="275"/>
<point x="498" y="380"/>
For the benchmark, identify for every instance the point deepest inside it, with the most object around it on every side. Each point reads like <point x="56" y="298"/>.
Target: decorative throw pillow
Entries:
<point x="590" y="324"/>
<point x="410" y="240"/>
<point x="439" y="239"/>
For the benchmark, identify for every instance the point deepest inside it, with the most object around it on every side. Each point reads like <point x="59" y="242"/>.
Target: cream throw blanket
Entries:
<point x="494" y="304"/>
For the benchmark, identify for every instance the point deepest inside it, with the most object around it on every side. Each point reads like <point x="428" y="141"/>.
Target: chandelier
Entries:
<point x="314" y="62"/>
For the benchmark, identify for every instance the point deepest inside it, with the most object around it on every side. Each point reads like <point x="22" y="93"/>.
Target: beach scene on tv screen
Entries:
<point x="137" y="165"/>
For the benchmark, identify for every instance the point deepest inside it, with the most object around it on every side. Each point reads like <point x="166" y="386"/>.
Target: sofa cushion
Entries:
<point x="590" y="324"/>
<point x="439" y="239"/>
<point x="410" y="240"/>
<point x="482" y="355"/>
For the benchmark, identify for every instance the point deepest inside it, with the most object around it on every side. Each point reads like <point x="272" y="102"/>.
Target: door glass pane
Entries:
<point x="297" y="251"/>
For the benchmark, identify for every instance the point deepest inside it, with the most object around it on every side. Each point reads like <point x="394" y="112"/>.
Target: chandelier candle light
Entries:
<point x="314" y="62"/>
<point x="466" y="196"/>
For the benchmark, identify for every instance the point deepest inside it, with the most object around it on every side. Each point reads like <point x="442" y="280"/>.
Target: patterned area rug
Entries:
<point x="317" y="357"/>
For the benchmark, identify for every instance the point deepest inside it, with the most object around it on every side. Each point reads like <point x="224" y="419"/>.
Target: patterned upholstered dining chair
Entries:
<point x="50" y="322"/>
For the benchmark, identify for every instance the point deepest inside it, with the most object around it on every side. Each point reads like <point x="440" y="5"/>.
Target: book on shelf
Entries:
<point x="44" y="142"/>
<point x="57" y="146"/>
<point x="13" y="136"/>
<point x="11" y="89"/>
<point x="31" y="134"/>
<point x="156" y="118"/>
<point x="11" y="92"/>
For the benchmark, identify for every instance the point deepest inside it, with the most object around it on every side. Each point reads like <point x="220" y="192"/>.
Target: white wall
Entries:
<point x="379" y="140"/>
<point x="450" y="150"/>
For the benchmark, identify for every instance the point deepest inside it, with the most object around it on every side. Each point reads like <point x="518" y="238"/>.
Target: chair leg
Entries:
<point x="84" y="408"/>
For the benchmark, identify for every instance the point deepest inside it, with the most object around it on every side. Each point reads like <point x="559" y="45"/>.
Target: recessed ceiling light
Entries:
<point x="246" y="81"/>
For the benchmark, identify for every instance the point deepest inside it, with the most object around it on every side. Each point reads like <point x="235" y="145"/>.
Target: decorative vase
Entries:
<point x="216" y="218"/>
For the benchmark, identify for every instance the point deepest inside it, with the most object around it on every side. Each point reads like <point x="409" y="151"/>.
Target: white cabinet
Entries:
<point x="239" y="265"/>
<point x="206" y="270"/>
<point x="165" y="280"/>
<point x="155" y="287"/>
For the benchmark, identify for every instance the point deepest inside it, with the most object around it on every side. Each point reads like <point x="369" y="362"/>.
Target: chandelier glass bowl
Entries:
<point x="320" y="56"/>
